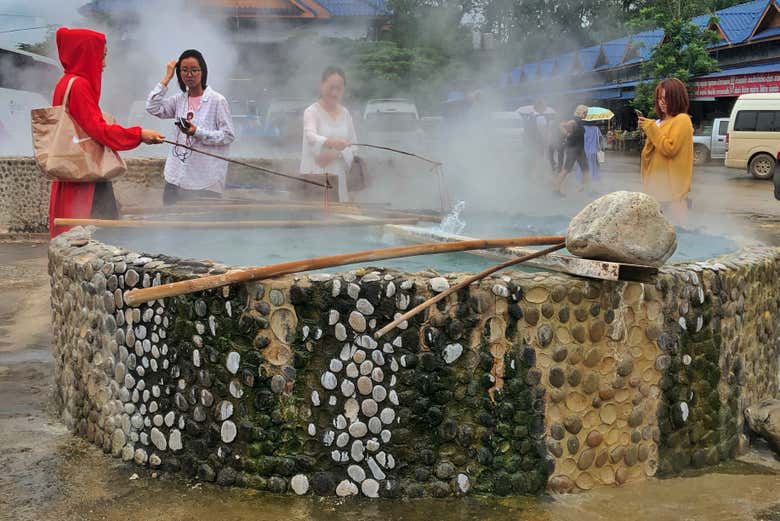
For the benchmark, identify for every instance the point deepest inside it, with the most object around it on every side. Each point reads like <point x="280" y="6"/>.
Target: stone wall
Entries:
<point x="518" y="384"/>
<point x="24" y="196"/>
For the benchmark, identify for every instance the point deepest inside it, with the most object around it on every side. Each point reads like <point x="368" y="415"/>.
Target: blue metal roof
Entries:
<point x="750" y="69"/>
<point x="774" y="31"/>
<point x="588" y="57"/>
<point x="739" y="21"/>
<point x="644" y="43"/>
<point x="355" y="7"/>
<point x="614" y="51"/>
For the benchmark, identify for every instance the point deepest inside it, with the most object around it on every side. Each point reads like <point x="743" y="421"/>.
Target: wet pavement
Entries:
<point x="48" y="474"/>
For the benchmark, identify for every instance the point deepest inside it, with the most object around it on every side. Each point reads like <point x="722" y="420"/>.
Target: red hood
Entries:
<point x="81" y="53"/>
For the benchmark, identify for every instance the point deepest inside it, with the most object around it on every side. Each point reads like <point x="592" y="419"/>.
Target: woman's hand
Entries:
<point x="151" y="137"/>
<point x="326" y="157"/>
<point x="642" y="121"/>
<point x="170" y="70"/>
<point x="338" y="144"/>
<point x="190" y="131"/>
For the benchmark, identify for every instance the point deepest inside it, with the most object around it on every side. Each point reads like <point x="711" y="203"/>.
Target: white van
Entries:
<point x="753" y="140"/>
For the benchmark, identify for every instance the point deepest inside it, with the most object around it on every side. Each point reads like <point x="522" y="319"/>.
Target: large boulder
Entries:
<point x="622" y="227"/>
<point x="764" y="420"/>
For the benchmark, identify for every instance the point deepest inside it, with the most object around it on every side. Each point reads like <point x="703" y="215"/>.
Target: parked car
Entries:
<point x="284" y="119"/>
<point x="754" y="134"/>
<point x="710" y="143"/>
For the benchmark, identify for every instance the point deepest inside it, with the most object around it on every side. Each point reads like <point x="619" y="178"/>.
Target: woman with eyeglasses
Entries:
<point x="202" y="120"/>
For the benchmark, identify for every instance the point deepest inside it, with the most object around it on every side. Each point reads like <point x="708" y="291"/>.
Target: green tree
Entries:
<point x="46" y="47"/>
<point x="682" y="54"/>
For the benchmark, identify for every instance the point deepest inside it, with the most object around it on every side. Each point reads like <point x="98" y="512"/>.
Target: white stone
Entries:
<point x="340" y="422"/>
<point x="340" y="332"/>
<point x="379" y="393"/>
<point x="366" y="341"/>
<point x="328" y="437"/>
<point x="305" y="332"/>
<point x="463" y="483"/>
<point x="228" y="431"/>
<point x="336" y="365"/>
<point x="328" y="380"/>
<point x="347" y="388"/>
<point x="364" y="306"/>
<point x="342" y="439"/>
<point x="169" y="419"/>
<point x="438" y="284"/>
<point x="385" y="436"/>
<point x="356" y="472"/>
<point x="375" y="425"/>
<point x="393" y="365"/>
<point x="366" y="367"/>
<point x="300" y="484"/>
<point x="390" y="461"/>
<point x="236" y="389"/>
<point x="500" y="290"/>
<point x="158" y="438"/>
<point x="336" y="288"/>
<point x="353" y="290"/>
<point x="393" y="397"/>
<point x="333" y="317"/>
<point x="225" y="410"/>
<point x="357" y="321"/>
<point x="378" y="375"/>
<point x="351" y="409"/>
<point x="374" y="468"/>
<point x="335" y="455"/>
<point x="398" y="342"/>
<point x="332" y="401"/>
<point x="312" y="430"/>
<point x="370" y="488"/>
<point x="358" y="429"/>
<point x="452" y="352"/>
<point x="390" y="290"/>
<point x="346" y="488"/>
<point x="388" y="348"/>
<point x="373" y="445"/>
<point x="357" y="451"/>
<point x="140" y="456"/>
<point x="686" y="359"/>
<point x="315" y="398"/>
<point x="402" y="301"/>
<point x="199" y="327"/>
<point x="213" y="325"/>
<point x="233" y="360"/>
<point x="684" y="410"/>
<point x="157" y="421"/>
<point x="378" y="357"/>
<point x="369" y="407"/>
<point x="387" y="415"/>
<point x="352" y="370"/>
<point x="359" y="356"/>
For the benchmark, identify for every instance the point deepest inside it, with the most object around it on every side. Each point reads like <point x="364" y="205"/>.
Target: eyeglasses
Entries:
<point x="190" y="72"/>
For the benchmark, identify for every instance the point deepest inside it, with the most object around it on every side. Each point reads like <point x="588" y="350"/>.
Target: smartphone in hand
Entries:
<point x="182" y="123"/>
<point x="639" y="113"/>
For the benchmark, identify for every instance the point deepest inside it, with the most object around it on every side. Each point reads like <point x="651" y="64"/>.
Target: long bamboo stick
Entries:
<point x="303" y="223"/>
<point x="263" y="272"/>
<point x="462" y="284"/>
<point x="397" y="151"/>
<point x="248" y="165"/>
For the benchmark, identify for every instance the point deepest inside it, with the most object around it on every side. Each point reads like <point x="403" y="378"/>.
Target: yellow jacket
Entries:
<point x="667" y="159"/>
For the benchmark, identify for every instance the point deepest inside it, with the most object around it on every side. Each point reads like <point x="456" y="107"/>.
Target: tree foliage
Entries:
<point x="682" y="53"/>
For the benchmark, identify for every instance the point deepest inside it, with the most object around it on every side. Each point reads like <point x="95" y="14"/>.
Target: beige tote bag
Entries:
<point x="65" y="152"/>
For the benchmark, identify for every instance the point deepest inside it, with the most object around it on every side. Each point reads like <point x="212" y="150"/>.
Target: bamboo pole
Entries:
<point x="173" y="289"/>
<point x="402" y="152"/>
<point x="248" y="165"/>
<point x="462" y="284"/>
<point x="144" y="223"/>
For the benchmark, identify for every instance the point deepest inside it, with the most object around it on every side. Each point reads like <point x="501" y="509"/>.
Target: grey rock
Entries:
<point x="622" y="227"/>
<point x="764" y="420"/>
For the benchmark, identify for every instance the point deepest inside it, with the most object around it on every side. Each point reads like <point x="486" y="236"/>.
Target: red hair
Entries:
<point x="676" y="97"/>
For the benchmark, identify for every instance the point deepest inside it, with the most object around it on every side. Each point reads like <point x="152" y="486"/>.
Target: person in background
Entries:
<point x="557" y="149"/>
<point x="202" y="120"/>
<point x="667" y="157"/>
<point x="82" y="53"/>
<point x="328" y="133"/>
<point x="593" y="143"/>
<point x="575" y="149"/>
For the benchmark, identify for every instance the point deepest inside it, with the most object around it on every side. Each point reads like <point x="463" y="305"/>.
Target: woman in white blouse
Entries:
<point x="207" y="126"/>
<point x="328" y="133"/>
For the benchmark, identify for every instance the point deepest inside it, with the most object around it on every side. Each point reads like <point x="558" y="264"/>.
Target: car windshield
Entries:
<point x="391" y="121"/>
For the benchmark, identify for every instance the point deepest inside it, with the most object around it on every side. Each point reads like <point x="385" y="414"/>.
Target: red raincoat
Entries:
<point x="81" y="54"/>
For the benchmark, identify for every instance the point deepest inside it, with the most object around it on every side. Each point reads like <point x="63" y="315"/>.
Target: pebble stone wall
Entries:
<point x="24" y="196"/>
<point x="519" y="384"/>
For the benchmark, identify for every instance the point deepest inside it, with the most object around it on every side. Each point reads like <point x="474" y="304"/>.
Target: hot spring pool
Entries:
<point x="261" y="246"/>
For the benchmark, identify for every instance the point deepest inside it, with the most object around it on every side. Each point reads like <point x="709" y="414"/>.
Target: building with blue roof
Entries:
<point x="747" y="51"/>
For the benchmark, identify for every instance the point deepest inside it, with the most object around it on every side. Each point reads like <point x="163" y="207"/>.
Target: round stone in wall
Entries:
<point x="364" y="385"/>
<point x="346" y="488"/>
<point x="438" y="284"/>
<point x="370" y="488"/>
<point x="233" y="360"/>
<point x="300" y="484"/>
<point x="228" y="431"/>
<point x="328" y="380"/>
<point x="356" y="473"/>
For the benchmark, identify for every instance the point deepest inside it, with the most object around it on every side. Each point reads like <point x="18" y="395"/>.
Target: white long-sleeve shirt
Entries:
<point x="214" y="134"/>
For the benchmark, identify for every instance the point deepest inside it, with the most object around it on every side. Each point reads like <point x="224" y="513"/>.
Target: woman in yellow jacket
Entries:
<point x="667" y="159"/>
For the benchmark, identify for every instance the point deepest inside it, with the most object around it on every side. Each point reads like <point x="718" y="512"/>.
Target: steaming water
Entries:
<point x="260" y="246"/>
<point x="452" y="223"/>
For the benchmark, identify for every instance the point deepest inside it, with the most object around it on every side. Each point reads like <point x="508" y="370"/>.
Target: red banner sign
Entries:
<point x="733" y="86"/>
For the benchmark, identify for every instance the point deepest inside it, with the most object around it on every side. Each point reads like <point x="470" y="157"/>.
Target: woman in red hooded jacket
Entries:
<point x="82" y="54"/>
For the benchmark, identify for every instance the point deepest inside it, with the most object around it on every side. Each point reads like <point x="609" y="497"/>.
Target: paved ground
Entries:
<point x="45" y="473"/>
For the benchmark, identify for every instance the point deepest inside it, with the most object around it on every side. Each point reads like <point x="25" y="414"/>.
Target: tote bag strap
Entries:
<point x="67" y="93"/>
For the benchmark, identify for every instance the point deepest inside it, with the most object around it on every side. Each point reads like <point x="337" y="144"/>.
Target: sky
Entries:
<point x="23" y="14"/>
